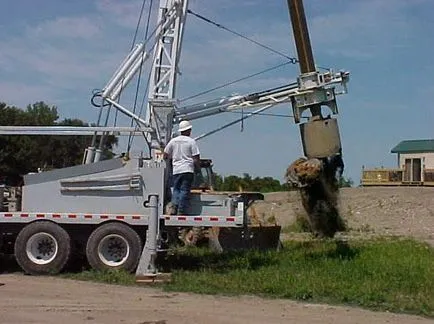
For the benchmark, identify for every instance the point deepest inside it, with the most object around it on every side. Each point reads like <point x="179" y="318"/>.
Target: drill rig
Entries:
<point x="115" y="209"/>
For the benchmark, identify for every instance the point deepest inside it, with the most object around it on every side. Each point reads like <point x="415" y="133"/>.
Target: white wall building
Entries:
<point x="416" y="159"/>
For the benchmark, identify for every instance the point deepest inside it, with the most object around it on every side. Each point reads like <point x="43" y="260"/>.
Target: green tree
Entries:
<point x="20" y="155"/>
<point x="231" y="183"/>
<point x="261" y="184"/>
<point x="247" y="183"/>
<point x="217" y="181"/>
<point x="345" y="182"/>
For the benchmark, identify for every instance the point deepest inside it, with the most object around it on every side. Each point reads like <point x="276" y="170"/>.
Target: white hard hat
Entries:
<point x="184" y="125"/>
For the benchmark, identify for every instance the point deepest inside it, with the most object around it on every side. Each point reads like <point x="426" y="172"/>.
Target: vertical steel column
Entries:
<point x="302" y="42"/>
<point x="147" y="265"/>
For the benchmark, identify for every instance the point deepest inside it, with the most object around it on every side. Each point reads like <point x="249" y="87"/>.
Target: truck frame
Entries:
<point x="115" y="210"/>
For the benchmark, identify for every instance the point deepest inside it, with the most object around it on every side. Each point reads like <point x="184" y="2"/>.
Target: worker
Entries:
<point x="185" y="156"/>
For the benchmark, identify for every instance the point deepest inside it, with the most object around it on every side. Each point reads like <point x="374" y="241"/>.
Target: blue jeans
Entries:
<point x="181" y="191"/>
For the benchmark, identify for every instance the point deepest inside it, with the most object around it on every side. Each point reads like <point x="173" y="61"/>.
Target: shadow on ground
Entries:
<point x="199" y="259"/>
<point x="8" y="264"/>
<point x="192" y="260"/>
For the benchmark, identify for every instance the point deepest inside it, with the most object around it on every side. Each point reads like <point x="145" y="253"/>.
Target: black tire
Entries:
<point x="126" y="244"/>
<point x="36" y="241"/>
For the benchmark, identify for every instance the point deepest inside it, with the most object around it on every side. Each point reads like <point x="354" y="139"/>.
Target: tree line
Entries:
<point x="259" y="184"/>
<point x="23" y="154"/>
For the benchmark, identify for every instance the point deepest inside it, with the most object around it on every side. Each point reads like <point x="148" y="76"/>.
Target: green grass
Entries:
<point x="299" y="225"/>
<point x="111" y="277"/>
<point x="395" y="275"/>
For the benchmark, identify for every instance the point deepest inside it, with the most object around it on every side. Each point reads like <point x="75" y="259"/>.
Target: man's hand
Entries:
<point x="196" y="160"/>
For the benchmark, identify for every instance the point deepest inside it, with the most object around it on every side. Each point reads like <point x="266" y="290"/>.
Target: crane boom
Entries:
<point x="311" y="90"/>
<point x="326" y="81"/>
<point x="162" y="87"/>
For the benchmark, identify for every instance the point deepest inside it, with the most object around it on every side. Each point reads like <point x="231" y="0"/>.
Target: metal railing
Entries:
<point x="394" y="177"/>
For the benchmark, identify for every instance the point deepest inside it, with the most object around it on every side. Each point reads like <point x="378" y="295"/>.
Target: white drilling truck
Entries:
<point x="113" y="210"/>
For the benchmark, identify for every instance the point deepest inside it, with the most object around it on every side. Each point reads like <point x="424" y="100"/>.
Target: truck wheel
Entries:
<point x="42" y="248"/>
<point x="114" y="246"/>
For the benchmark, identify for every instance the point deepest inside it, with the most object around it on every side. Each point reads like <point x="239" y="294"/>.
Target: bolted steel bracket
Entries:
<point x="307" y="99"/>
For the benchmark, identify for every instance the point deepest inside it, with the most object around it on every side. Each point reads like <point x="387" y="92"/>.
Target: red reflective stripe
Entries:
<point x="87" y="216"/>
<point x="136" y="217"/>
<point x="24" y="215"/>
<point x="167" y="217"/>
<point x="103" y="216"/>
<point x="120" y="217"/>
<point x="230" y="219"/>
<point x="40" y="215"/>
<point x="72" y="216"/>
<point x="197" y="218"/>
<point x="182" y="218"/>
<point x="56" y="215"/>
<point x="214" y="219"/>
<point x="8" y="215"/>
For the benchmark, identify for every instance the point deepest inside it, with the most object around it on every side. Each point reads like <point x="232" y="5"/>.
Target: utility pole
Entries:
<point x="301" y="36"/>
<point x="302" y="42"/>
<point x="323" y="165"/>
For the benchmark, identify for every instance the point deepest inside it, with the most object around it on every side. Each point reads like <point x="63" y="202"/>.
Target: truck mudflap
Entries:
<point x="260" y="233"/>
<point x="252" y="237"/>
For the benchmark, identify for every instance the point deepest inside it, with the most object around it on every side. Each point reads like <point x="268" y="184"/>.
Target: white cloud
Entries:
<point x="124" y="13"/>
<point x="364" y="29"/>
<point x="80" y="52"/>
<point x="18" y="93"/>
<point x="74" y="53"/>
<point x="66" y="28"/>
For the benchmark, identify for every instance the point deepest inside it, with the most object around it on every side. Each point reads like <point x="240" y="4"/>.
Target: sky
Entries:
<point x="59" y="51"/>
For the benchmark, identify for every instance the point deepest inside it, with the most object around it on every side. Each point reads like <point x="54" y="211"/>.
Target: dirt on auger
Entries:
<point x="318" y="185"/>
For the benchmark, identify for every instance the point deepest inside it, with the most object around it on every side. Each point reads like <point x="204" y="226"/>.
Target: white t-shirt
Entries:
<point x="182" y="149"/>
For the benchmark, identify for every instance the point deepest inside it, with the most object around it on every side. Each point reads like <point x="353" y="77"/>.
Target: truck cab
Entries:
<point x="204" y="179"/>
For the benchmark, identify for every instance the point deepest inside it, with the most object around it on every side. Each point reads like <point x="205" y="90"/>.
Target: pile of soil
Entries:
<point x="366" y="211"/>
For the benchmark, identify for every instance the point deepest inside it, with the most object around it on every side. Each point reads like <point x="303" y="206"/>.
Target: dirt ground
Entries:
<point x="375" y="211"/>
<point x="25" y="299"/>
<point x="368" y="211"/>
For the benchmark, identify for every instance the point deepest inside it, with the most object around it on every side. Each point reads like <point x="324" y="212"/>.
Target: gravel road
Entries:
<point x="26" y="299"/>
